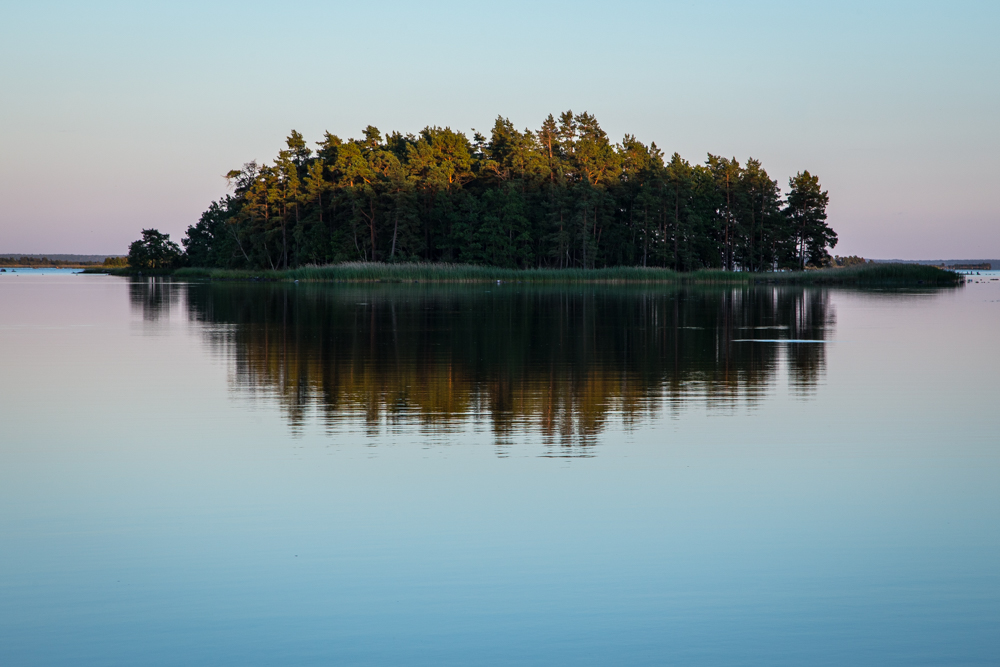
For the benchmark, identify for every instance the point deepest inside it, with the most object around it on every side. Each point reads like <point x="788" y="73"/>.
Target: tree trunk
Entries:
<point x="677" y="222"/>
<point x="395" y="229"/>
<point x="371" y="226"/>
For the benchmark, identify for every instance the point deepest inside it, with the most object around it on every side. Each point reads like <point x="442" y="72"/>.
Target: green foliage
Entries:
<point x="850" y="260"/>
<point x="154" y="251"/>
<point x="563" y="196"/>
<point x="806" y="212"/>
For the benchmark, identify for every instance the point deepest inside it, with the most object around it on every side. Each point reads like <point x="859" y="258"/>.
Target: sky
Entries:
<point x="116" y="117"/>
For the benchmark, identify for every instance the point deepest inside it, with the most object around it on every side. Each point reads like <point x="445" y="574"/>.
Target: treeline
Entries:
<point x="562" y="196"/>
<point x="36" y="261"/>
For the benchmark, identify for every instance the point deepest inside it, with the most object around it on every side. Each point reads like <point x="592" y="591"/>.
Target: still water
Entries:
<point x="262" y="474"/>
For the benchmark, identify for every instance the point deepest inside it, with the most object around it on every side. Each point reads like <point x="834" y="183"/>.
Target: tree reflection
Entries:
<point x="153" y="296"/>
<point x="558" y="361"/>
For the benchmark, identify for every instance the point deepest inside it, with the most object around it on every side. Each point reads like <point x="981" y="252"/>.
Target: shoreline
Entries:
<point x="27" y="267"/>
<point x="903" y="275"/>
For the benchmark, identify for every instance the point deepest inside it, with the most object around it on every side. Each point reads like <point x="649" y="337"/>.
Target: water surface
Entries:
<point x="410" y="474"/>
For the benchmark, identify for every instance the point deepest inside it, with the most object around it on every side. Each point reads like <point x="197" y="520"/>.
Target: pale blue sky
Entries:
<point x="119" y="116"/>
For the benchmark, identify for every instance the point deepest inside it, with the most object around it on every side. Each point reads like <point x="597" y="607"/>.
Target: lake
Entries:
<point x="316" y="474"/>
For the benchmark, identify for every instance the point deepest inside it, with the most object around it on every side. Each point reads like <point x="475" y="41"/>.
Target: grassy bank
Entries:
<point x="868" y="275"/>
<point x="451" y="273"/>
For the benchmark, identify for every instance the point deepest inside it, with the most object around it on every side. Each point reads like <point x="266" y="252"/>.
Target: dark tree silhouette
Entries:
<point x="154" y="250"/>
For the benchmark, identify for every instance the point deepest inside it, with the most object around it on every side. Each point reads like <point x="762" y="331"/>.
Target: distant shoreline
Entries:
<point x="994" y="263"/>
<point x="54" y="261"/>
<point x="60" y="265"/>
<point x="6" y="258"/>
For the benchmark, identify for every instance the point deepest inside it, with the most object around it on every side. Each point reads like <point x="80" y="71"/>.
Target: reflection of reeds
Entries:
<point x="869" y="274"/>
<point x="558" y="362"/>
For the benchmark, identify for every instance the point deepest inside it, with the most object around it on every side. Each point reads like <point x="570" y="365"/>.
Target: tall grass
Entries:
<point x="870" y="274"/>
<point x="453" y="273"/>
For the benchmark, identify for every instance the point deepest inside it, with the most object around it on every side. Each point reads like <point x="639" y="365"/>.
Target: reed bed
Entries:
<point x="465" y="273"/>
<point x="867" y="275"/>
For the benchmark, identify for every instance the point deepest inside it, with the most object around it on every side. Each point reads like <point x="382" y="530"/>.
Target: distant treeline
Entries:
<point x="34" y="260"/>
<point x="57" y="257"/>
<point x="562" y="196"/>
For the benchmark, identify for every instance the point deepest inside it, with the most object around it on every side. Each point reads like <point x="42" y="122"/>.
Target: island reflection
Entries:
<point x="559" y="362"/>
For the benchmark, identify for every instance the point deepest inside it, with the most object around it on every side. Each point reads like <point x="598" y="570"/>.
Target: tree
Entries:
<point x="806" y="211"/>
<point x="761" y="220"/>
<point x="679" y="184"/>
<point x="154" y="251"/>
<point x="727" y="173"/>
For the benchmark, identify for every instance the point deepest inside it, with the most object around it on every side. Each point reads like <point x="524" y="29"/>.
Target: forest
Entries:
<point x="562" y="196"/>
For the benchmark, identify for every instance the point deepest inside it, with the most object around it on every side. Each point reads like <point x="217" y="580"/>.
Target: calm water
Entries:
<point x="257" y="474"/>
